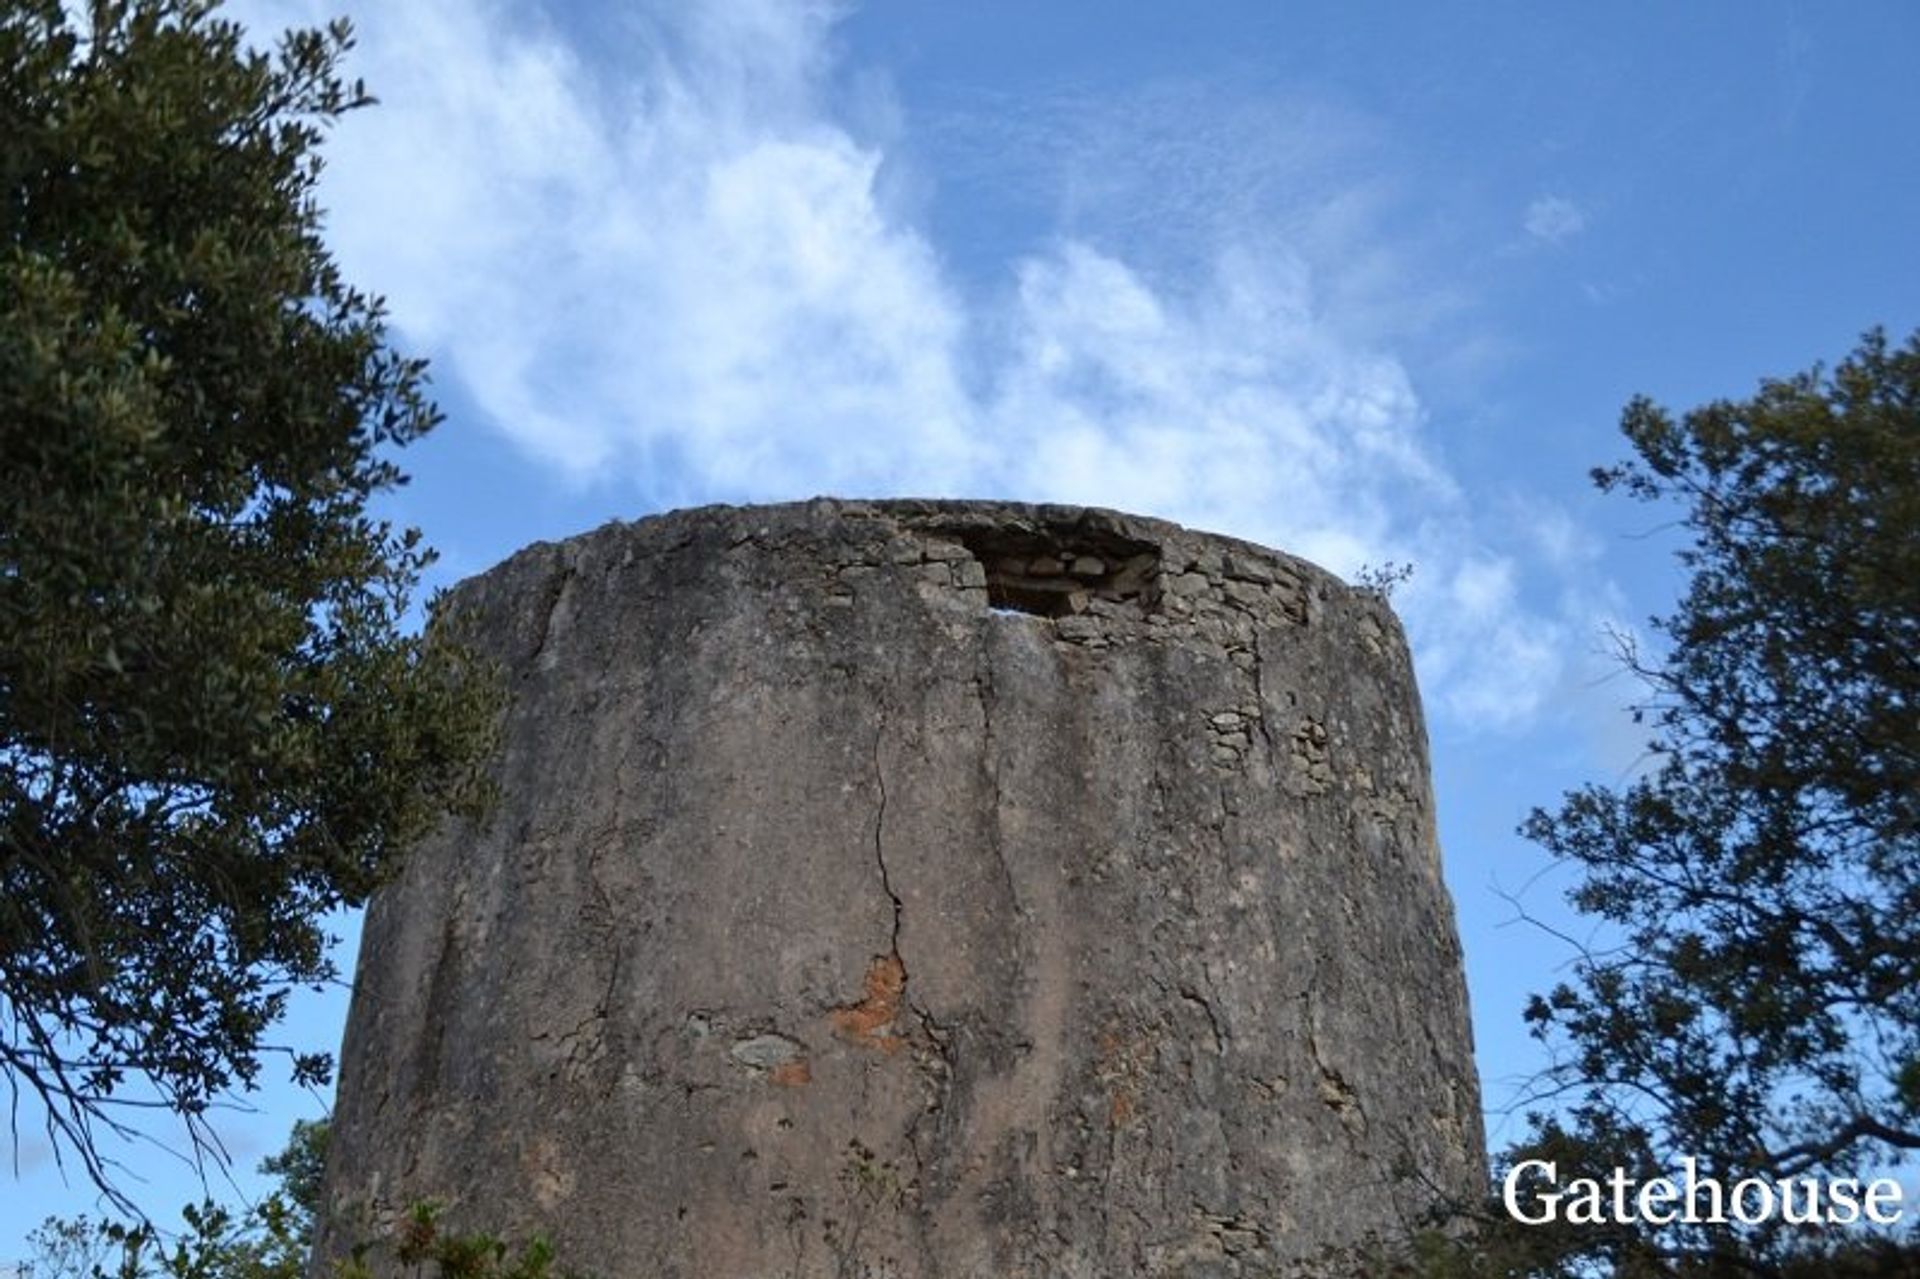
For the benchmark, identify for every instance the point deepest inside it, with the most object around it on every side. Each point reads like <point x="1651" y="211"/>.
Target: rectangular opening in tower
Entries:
<point x="1064" y="572"/>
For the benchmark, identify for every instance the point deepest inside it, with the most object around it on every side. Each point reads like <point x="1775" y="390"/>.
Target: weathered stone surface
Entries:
<point x="862" y="902"/>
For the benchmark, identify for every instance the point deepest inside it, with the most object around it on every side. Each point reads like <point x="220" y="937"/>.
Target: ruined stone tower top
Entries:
<point x="923" y="888"/>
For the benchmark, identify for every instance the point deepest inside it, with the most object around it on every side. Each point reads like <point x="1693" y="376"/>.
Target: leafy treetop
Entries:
<point x="1762" y="1008"/>
<point x="213" y="728"/>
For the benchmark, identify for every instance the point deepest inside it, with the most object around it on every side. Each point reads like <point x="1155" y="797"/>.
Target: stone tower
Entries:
<point x="923" y="889"/>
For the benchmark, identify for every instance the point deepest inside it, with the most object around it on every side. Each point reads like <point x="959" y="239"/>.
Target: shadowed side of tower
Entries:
<point x="923" y="889"/>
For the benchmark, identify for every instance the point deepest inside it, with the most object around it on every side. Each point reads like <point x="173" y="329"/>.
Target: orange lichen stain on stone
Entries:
<point x="869" y="1022"/>
<point x="547" y="1172"/>
<point x="1121" y="1063"/>
<point x="792" y="1074"/>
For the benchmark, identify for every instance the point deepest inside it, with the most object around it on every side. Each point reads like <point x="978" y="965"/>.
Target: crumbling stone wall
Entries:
<point x="923" y="889"/>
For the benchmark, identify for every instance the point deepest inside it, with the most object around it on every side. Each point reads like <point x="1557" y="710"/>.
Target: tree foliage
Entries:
<point x="273" y="1239"/>
<point x="1761" y="1010"/>
<point x="214" y="726"/>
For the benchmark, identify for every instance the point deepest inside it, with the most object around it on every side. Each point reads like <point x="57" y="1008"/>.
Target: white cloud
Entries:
<point x="1553" y="219"/>
<point x="1556" y="538"/>
<point x="1485" y="657"/>
<point x="701" y="266"/>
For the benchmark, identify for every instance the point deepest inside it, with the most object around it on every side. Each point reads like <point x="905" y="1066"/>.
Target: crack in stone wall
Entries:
<point x="880" y="842"/>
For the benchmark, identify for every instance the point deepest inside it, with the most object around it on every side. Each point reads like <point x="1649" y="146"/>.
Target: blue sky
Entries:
<point x="1367" y="282"/>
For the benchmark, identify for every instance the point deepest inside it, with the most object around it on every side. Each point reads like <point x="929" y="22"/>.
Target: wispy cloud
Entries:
<point x="699" y="284"/>
<point x="1553" y="219"/>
